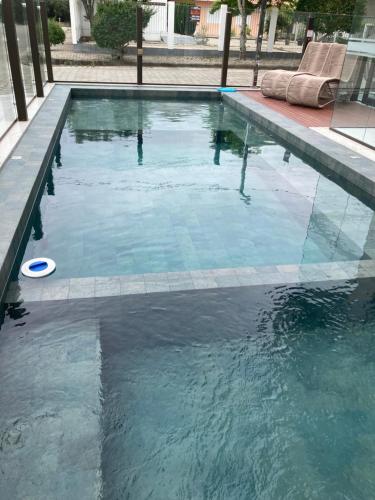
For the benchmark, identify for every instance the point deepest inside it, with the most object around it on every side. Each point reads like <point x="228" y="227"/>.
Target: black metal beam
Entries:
<point x="31" y="21"/>
<point x="224" y="66"/>
<point x="258" y="50"/>
<point x="139" y="44"/>
<point x="309" y="34"/>
<point x="362" y="60"/>
<point x="47" y="47"/>
<point x="14" y="60"/>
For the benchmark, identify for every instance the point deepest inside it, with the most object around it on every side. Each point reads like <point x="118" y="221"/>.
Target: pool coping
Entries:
<point x="22" y="175"/>
<point x="29" y="290"/>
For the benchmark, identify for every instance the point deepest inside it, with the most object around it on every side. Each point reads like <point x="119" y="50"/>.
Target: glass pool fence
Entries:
<point x="155" y="42"/>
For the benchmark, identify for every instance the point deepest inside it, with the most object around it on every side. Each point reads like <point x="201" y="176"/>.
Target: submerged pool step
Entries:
<point x="81" y="288"/>
<point x="50" y="444"/>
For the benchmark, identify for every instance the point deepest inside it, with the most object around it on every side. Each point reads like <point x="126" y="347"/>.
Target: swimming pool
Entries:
<point x="154" y="186"/>
<point x="252" y="392"/>
<point x="211" y="390"/>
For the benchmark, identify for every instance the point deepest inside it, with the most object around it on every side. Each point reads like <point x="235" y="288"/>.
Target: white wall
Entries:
<point x="158" y="23"/>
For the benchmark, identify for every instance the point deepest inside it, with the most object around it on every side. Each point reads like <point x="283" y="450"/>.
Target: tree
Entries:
<point x="114" y="24"/>
<point x="332" y="15"/>
<point x="89" y="6"/>
<point x="243" y="8"/>
<point x="58" y="9"/>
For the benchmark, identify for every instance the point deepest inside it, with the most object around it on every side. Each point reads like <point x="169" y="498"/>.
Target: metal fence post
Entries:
<point x="14" y="60"/>
<point x="258" y="50"/>
<point x="47" y="48"/>
<point x="31" y="21"/>
<point x="309" y="33"/>
<point x="224" y="67"/>
<point x="139" y="44"/>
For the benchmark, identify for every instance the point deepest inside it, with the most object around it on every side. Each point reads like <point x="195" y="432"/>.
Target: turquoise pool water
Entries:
<point x="262" y="393"/>
<point x="142" y="186"/>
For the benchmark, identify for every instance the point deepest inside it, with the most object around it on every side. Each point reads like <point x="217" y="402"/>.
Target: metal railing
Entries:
<point x="175" y="44"/>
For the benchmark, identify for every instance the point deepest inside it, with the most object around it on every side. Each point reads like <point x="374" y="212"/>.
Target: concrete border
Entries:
<point x="22" y="175"/>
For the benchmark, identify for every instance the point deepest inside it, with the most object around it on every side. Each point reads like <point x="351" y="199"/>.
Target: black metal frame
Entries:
<point x="224" y="66"/>
<point x="14" y="60"/>
<point x="263" y="6"/>
<point x="139" y="45"/>
<point x="31" y="21"/>
<point x="366" y="99"/>
<point x="308" y="39"/>
<point x="352" y="138"/>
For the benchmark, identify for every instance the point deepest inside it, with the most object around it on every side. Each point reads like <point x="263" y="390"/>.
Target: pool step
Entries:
<point x="51" y="289"/>
<point x="50" y="399"/>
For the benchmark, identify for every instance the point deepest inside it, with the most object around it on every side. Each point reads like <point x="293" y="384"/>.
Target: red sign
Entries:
<point x="195" y="13"/>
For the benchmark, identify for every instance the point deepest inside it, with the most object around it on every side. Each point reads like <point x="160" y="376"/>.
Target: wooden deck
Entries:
<point x="309" y="117"/>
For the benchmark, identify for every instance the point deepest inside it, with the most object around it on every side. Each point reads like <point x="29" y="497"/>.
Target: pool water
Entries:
<point x="243" y="393"/>
<point x="144" y="186"/>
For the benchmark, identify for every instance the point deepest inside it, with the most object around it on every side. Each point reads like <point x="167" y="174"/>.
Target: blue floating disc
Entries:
<point x="226" y="89"/>
<point x="38" y="268"/>
<point x="40" y="265"/>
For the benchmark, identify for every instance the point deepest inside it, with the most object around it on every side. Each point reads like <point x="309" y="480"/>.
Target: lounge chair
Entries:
<point x="318" y="90"/>
<point x="275" y="82"/>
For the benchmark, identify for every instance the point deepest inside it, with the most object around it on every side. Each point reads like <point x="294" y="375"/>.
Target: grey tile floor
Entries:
<point x="76" y="288"/>
<point x="154" y="74"/>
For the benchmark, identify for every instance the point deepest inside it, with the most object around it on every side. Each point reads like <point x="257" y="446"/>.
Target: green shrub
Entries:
<point x="182" y="22"/>
<point x="55" y="32"/>
<point x="58" y="9"/>
<point x="114" y="24"/>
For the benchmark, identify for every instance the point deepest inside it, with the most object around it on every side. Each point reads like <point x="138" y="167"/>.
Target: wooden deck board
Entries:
<point x="309" y="117"/>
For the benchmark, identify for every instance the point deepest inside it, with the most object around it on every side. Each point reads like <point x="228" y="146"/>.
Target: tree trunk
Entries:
<point x="89" y="6"/>
<point x="243" y="35"/>
<point x="242" y="10"/>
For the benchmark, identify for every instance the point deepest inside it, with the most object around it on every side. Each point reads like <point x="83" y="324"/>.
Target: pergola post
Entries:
<point x="222" y="19"/>
<point x="272" y="28"/>
<point x="171" y="4"/>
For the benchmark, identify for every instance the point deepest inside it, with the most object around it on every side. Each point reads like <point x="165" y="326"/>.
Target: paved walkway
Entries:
<point x="152" y="74"/>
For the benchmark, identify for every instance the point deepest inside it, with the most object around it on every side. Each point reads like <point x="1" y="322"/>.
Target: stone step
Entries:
<point x="50" y="399"/>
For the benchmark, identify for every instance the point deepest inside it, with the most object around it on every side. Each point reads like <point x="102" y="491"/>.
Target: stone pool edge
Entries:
<point x="28" y="290"/>
<point x="354" y="169"/>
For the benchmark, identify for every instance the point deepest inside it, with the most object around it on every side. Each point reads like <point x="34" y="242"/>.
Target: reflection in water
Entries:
<point x="140" y="133"/>
<point x="246" y="198"/>
<point x="58" y="155"/>
<point x="37" y="225"/>
<point x="286" y="156"/>
<point x="219" y="135"/>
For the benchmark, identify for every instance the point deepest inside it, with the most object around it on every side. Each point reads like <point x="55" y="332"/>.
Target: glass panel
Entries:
<point x="181" y="44"/>
<point x="39" y="34"/>
<point x="24" y="48"/>
<point x="283" y="36"/>
<point x="103" y="54"/>
<point x="7" y="105"/>
<point x="282" y="41"/>
<point x="354" y="112"/>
